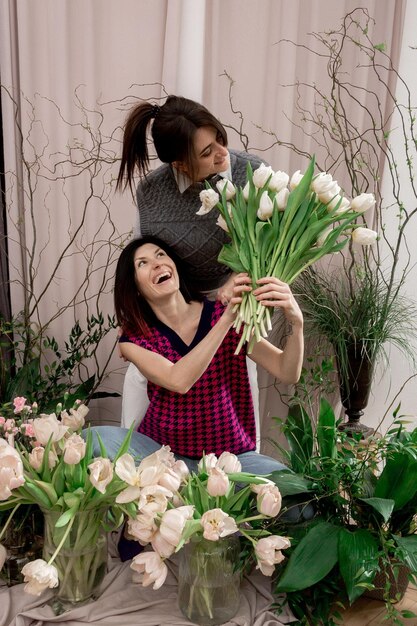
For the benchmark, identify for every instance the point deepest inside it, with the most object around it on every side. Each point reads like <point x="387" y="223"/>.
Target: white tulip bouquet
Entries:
<point x="45" y="461"/>
<point x="279" y="227"/>
<point x="219" y="500"/>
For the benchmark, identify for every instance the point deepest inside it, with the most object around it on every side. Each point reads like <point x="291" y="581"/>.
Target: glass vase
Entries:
<point x="209" y="580"/>
<point x="82" y="559"/>
<point x="23" y="540"/>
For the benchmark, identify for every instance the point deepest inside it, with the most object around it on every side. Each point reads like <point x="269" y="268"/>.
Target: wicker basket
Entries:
<point x="397" y="574"/>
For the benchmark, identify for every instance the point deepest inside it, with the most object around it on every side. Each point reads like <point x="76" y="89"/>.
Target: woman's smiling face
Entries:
<point x="155" y="272"/>
<point x="211" y="156"/>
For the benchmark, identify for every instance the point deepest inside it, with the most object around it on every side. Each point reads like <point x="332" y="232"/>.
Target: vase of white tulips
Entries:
<point x="209" y="580"/>
<point x="79" y="493"/>
<point x="79" y="555"/>
<point x="280" y="226"/>
<point x="218" y="517"/>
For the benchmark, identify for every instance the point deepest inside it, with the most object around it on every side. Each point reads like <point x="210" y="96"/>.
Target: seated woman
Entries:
<point x="199" y="393"/>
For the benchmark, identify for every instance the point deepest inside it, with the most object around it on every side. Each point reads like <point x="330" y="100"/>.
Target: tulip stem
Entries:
<point x="61" y="543"/>
<point x="9" y="519"/>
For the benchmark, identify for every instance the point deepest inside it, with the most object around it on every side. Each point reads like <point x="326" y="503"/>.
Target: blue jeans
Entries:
<point x="141" y="446"/>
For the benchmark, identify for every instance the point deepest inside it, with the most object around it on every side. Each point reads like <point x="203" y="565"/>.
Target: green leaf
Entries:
<point x="326" y="430"/>
<point x="291" y="484"/>
<point x="358" y="560"/>
<point x="229" y="257"/>
<point x="409" y="546"/>
<point x="66" y="516"/>
<point x="313" y="558"/>
<point x="384" y="506"/>
<point x="299" y="434"/>
<point x="398" y="479"/>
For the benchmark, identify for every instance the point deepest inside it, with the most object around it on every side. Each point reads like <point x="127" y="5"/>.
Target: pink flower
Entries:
<point x="38" y="576"/>
<point x="269" y="500"/>
<point x="173" y="522"/>
<point x="216" y="523"/>
<point x="268" y="552"/>
<point x="218" y="482"/>
<point x="151" y="568"/>
<point x="19" y="404"/>
<point x="11" y="470"/>
<point x="27" y="429"/>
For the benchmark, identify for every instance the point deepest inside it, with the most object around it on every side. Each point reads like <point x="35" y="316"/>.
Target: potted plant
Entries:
<point x="365" y="494"/>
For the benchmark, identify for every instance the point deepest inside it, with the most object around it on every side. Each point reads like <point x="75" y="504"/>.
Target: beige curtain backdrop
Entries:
<point x="74" y="67"/>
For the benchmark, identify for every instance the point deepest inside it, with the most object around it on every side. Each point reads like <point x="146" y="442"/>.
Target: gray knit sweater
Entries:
<point x="166" y="213"/>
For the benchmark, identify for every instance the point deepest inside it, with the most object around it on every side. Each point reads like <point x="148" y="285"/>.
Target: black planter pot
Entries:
<point x="355" y="389"/>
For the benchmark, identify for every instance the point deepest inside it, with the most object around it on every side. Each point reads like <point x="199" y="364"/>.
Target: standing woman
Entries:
<point x="192" y="145"/>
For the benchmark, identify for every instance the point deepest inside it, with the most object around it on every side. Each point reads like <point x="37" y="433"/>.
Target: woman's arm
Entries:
<point x="283" y="364"/>
<point x="182" y="375"/>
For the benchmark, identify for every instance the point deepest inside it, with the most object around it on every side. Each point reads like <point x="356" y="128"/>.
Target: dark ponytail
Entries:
<point x="172" y="132"/>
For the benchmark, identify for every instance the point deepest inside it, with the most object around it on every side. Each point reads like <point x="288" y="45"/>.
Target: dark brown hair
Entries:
<point x="134" y="315"/>
<point x="173" y="129"/>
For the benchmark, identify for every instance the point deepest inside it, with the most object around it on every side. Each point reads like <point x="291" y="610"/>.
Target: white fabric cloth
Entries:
<point x="125" y="603"/>
<point x="135" y="399"/>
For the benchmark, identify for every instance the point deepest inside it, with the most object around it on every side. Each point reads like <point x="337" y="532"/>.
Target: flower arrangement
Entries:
<point x="44" y="460"/>
<point x="279" y="227"/>
<point x="177" y="508"/>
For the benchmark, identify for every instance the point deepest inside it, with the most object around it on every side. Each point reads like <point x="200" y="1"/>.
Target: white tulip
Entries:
<point x="38" y="576"/>
<point x="224" y="183"/>
<point x="3" y="555"/>
<point x="261" y="175"/>
<point x="48" y="426"/>
<point x="364" y="236"/>
<point x="266" y="207"/>
<point x="101" y="473"/>
<point x="323" y="183"/>
<point x="278" y="181"/>
<point x="245" y="191"/>
<point x="321" y="239"/>
<point x="295" y="179"/>
<point x="281" y="199"/>
<point x="363" y="202"/>
<point x="74" y="449"/>
<point x="229" y="463"/>
<point x="209" y="198"/>
<point x="343" y="206"/>
<point x="222" y="223"/>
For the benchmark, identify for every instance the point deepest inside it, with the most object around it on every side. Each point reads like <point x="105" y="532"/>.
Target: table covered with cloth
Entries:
<point x="123" y="602"/>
